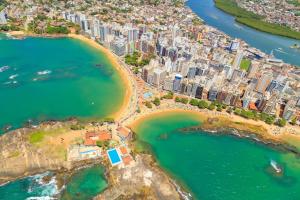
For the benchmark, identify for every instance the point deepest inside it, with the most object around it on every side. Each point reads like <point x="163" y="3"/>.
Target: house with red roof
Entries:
<point x="91" y="138"/>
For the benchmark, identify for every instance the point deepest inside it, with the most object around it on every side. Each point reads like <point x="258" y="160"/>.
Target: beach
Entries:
<point x="124" y="74"/>
<point x="222" y="121"/>
<point x="114" y="60"/>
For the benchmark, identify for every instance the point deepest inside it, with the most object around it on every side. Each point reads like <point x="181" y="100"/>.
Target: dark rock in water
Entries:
<point x="163" y="136"/>
<point x="47" y="179"/>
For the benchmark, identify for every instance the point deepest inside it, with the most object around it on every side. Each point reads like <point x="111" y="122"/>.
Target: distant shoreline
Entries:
<point x="254" y="21"/>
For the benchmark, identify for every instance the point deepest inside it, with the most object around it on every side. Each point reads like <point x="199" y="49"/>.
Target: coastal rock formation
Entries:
<point x="142" y="180"/>
<point x="20" y="158"/>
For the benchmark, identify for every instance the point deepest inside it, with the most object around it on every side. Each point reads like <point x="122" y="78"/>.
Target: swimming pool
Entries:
<point x="114" y="156"/>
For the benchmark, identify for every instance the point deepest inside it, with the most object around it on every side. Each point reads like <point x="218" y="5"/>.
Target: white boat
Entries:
<point x="44" y="72"/>
<point x="275" y="166"/>
<point x="4" y="68"/>
<point x="13" y="76"/>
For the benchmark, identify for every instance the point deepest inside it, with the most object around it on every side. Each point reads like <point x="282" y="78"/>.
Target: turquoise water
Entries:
<point x="29" y="188"/>
<point x="263" y="41"/>
<point x="219" y="167"/>
<point x="85" y="184"/>
<point x="55" y="79"/>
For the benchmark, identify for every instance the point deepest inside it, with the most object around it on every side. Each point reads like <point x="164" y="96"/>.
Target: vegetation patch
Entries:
<point x="36" y="137"/>
<point x="255" y="21"/>
<point x="245" y="64"/>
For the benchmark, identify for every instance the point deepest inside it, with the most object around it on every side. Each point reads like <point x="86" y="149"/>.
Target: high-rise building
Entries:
<point x="234" y="46"/>
<point x="146" y="71"/>
<point x="96" y="28"/>
<point x="158" y="77"/>
<point x="118" y="46"/>
<point x="3" y="17"/>
<point x="177" y="82"/>
<point x="253" y="69"/>
<point x="289" y="111"/>
<point x="263" y="82"/>
<point x="199" y="92"/>
<point x="238" y="60"/>
<point x="168" y="84"/>
<point x="212" y="94"/>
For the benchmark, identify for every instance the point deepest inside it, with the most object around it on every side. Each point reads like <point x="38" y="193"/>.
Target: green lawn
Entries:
<point x="245" y="64"/>
<point x="36" y="137"/>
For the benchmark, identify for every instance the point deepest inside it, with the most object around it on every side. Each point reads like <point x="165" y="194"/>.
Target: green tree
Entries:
<point x="177" y="99"/>
<point x="184" y="100"/>
<point x="194" y="102"/>
<point x="148" y="104"/>
<point x="212" y="106"/>
<point x="156" y="101"/>
<point x="281" y="122"/>
<point x="202" y="104"/>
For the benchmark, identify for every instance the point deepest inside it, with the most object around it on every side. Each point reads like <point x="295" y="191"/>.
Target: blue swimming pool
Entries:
<point x="114" y="156"/>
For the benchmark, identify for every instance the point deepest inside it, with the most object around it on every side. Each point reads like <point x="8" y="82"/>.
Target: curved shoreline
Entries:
<point x="113" y="59"/>
<point x="260" y="129"/>
<point x="125" y="77"/>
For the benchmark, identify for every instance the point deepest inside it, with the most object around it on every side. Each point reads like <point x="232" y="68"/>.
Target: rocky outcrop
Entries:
<point x="19" y="158"/>
<point x="142" y="180"/>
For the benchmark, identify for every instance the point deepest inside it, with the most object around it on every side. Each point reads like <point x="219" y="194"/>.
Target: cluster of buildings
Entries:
<point x="281" y="12"/>
<point x="188" y="57"/>
<point x="96" y="143"/>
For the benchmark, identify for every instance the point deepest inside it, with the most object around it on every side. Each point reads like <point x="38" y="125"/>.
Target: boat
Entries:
<point x="44" y="72"/>
<point x="275" y="166"/>
<point x="4" y="68"/>
<point x="295" y="46"/>
<point x="13" y="76"/>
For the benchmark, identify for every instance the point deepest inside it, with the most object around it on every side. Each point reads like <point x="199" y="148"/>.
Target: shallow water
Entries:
<point x="85" y="184"/>
<point x="219" y="167"/>
<point x="55" y="79"/>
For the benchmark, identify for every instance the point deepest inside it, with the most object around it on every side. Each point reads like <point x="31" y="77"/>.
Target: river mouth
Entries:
<point x="55" y="79"/>
<point x="226" y="23"/>
<point x="218" y="166"/>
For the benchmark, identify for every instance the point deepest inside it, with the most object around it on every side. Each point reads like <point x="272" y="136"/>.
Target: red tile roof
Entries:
<point x="252" y="106"/>
<point x="123" y="150"/>
<point x="123" y="131"/>
<point x="104" y="136"/>
<point x="126" y="160"/>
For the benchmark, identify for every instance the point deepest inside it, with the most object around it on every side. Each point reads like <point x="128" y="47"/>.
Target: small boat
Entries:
<point x="13" y="76"/>
<point x="4" y="68"/>
<point x="44" y="72"/>
<point x="98" y="65"/>
<point x="295" y="46"/>
<point x="275" y="166"/>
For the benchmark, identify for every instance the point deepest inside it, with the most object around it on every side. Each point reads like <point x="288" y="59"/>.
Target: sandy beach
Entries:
<point x="121" y="70"/>
<point x="289" y="134"/>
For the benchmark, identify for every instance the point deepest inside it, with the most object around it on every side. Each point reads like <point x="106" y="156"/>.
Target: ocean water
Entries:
<point x="30" y="188"/>
<point x="218" y="167"/>
<point x="85" y="184"/>
<point x="55" y="79"/>
<point x="264" y="41"/>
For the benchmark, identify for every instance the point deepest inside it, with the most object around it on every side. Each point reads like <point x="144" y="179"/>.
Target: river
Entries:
<point x="214" y="17"/>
